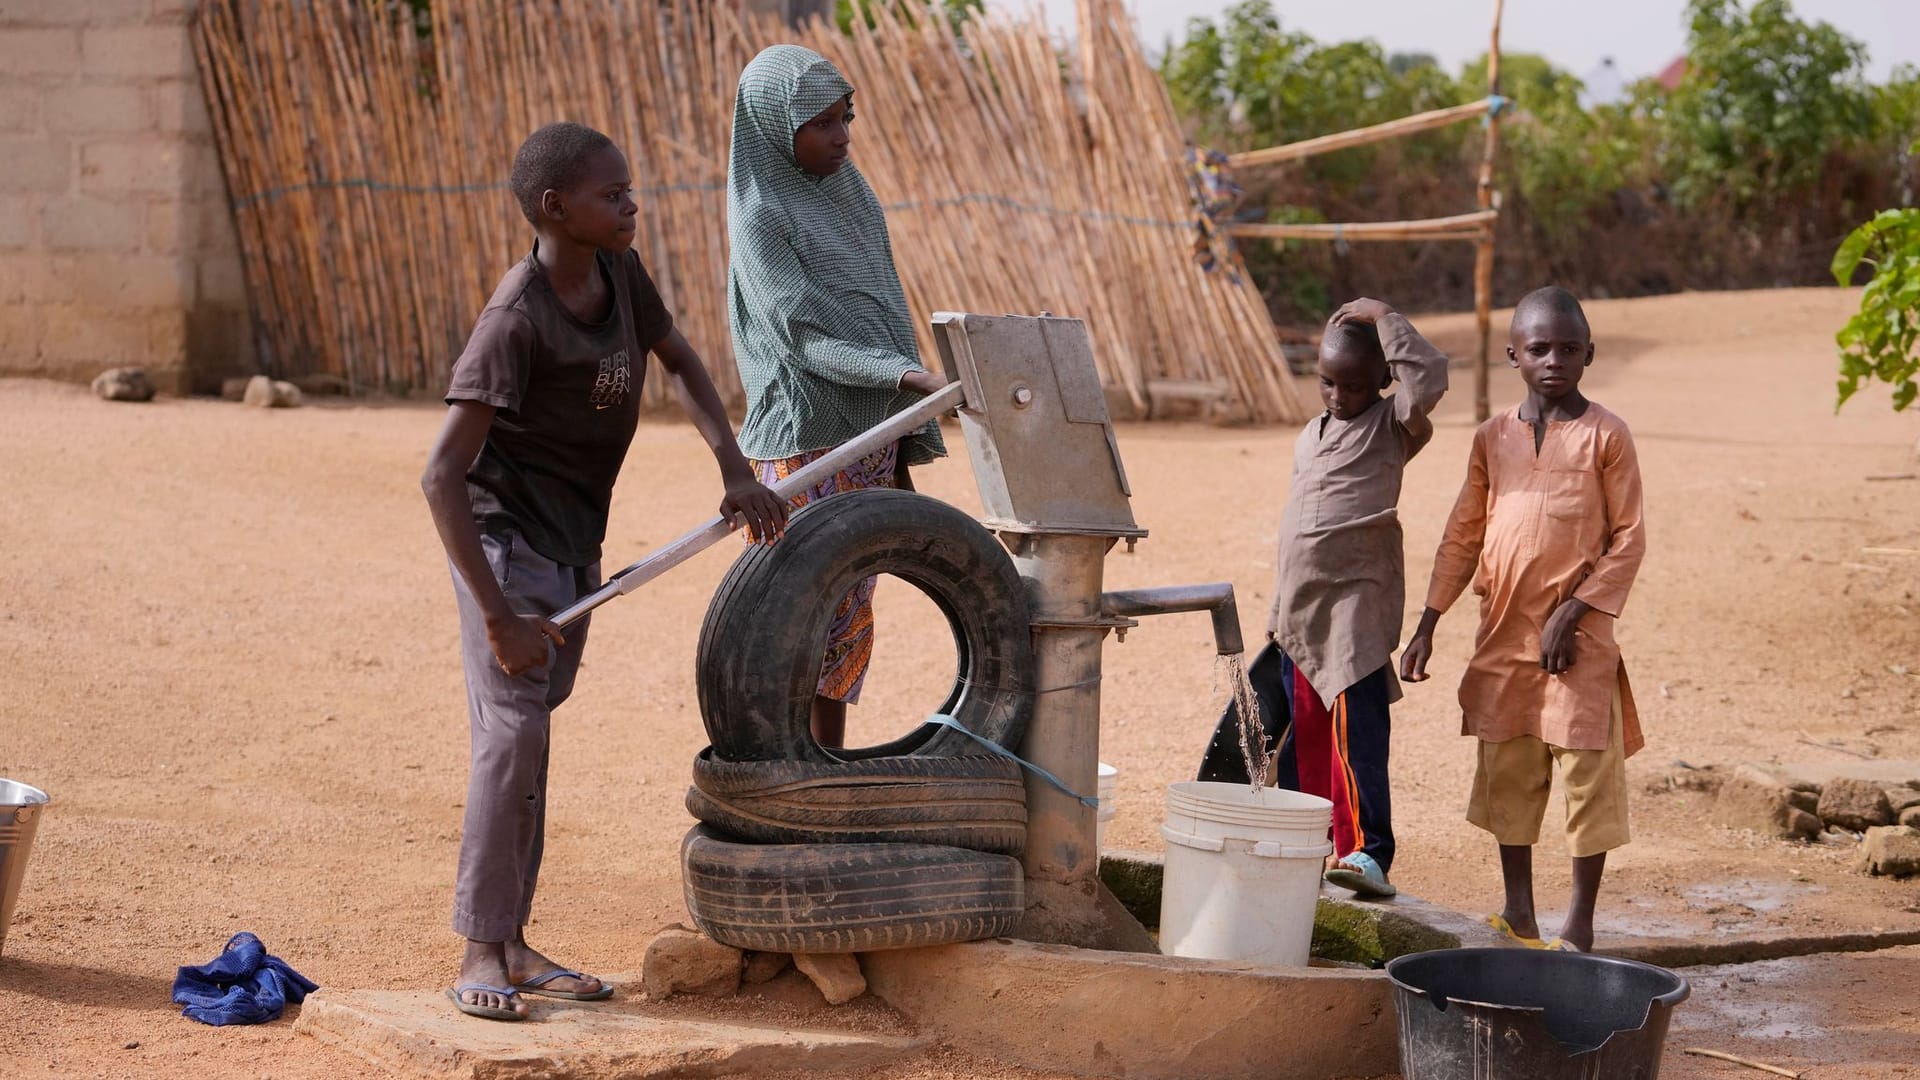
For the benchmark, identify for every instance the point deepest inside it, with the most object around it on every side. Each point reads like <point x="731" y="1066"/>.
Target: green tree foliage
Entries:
<point x="1878" y="343"/>
<point x="1766" y="98"/>
<point x="1245" y="81"/>
<point x="1560" y="159"/>
<point x="1772" y="145"/>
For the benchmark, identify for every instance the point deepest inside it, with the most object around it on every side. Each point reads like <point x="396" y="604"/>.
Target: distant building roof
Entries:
<point x="1671" y="75"/>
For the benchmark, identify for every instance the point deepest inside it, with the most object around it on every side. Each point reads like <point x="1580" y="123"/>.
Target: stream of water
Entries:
<point x="1253" y="733"/>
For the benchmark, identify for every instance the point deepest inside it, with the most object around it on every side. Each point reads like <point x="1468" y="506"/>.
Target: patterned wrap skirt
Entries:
<point x="850" y="640"/>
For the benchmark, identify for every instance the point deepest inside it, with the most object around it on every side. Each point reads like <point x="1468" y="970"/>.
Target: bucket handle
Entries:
<point x="1274" y="849"/>
<point x="1203" y="843"/>
<point x="1262" y="849"/>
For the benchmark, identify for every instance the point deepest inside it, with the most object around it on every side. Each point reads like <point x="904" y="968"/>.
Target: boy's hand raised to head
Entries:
<point x="1364" y="310"/>
<point x="766" y="515"/>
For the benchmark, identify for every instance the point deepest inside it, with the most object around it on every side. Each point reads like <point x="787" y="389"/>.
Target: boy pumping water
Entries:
<point x="542" y="406"/>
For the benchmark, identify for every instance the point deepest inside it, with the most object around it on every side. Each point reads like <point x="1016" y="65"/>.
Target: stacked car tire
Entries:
<point x="814" y="850"/>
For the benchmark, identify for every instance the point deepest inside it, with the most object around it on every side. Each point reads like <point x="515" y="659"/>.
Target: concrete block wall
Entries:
<point x="117" y="244"/>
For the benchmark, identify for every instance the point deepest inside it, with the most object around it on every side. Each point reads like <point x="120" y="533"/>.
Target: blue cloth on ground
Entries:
<point x="243" y="985"/>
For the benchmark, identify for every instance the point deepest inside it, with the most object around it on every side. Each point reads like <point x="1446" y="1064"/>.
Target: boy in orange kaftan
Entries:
<point x="1547" y="530"/>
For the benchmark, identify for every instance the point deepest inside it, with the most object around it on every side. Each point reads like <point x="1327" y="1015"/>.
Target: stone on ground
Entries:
<point x="1910" y="817"/>
<point x="764" y="967"/>
<point x="270" y="393"/>
<point x="1903" y="798"/>
<point x="1891" y="851"/>
<point x="682" y="961"/>
<point x="836" y="974"/>
<point x="123" y="384"/>
<point x="1752" y="798"/>
<point x="1855" y="804"/>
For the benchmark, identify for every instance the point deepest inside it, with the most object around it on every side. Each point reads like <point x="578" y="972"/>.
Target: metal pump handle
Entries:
<point x="894" y="428"/>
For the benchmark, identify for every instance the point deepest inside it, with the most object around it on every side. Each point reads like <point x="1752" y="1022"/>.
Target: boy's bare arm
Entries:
<point x="519" y="641"/>
<point x="766" y="515"/>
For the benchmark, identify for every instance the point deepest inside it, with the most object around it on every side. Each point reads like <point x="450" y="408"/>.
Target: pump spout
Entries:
<point x="1216" y="598"/>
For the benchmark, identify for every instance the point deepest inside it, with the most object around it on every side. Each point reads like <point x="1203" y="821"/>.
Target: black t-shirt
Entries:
<point x="568" y="399"/>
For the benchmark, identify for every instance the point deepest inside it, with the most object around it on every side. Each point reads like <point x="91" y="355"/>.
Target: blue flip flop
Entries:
<point x="486" y="1012"/>
<point x="1369" y="882"/>
<point x="538" y="985"/>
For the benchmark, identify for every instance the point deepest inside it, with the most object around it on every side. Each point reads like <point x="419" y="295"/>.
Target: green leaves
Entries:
<point x="1767" y="96"/>
<point x="1244" y="82"/>
<point x="1878" y="343"/>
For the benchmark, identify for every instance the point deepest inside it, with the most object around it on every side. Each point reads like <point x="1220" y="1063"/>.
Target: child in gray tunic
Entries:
<point x="1340" y="597"/>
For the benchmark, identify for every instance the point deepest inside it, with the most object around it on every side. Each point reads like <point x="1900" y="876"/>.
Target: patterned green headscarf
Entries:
<point x="820" y="324"/>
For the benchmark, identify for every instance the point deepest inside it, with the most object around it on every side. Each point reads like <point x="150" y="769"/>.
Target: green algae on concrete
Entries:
<point x="1134" y="878"/>
<point x="1371" y="934"/>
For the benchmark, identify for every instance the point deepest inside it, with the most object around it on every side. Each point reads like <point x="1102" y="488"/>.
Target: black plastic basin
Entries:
<point x="1528" y="1014"/>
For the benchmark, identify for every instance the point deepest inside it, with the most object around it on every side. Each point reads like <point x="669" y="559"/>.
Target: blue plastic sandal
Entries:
<point x="538" y="985"/>
<point x="487" y="1012"/>
<point x="1360" y="873"/>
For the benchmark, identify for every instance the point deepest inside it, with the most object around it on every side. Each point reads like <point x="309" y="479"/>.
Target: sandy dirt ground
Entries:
<point x="228" y="640"/>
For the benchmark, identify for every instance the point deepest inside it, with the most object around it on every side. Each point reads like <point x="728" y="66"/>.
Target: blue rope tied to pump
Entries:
<point x="947" y="721"/>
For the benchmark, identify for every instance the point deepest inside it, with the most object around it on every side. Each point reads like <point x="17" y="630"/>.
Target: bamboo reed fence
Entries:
<point x="367" y="159"/>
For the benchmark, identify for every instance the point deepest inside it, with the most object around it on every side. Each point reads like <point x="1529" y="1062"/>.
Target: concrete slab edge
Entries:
<point x="420" y="1052"/>
<point x="1682" y="952"/>
<point x="1145" y="1017"/>
<point x="346" y="1029"/>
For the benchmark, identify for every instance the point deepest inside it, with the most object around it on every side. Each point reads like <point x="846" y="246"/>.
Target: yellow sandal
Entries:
<point x="1499" y="922"/>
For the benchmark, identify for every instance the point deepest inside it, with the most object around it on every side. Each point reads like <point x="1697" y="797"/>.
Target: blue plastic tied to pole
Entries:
<point x="947" y="721"/>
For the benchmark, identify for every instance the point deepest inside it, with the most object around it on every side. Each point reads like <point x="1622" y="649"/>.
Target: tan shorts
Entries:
<point x="1512" y="780"/>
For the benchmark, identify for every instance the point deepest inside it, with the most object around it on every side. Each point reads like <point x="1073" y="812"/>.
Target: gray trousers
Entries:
<point x="509" y="720"/>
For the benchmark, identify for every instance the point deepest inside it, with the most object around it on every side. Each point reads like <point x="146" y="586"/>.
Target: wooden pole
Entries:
<point x="1483" y="252"/>
<point x="1341" y="140"/>
<point x="1475" y="226"/>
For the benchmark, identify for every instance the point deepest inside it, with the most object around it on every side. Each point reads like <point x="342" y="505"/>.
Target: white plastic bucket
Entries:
<point x="1109" y="787"/>
<point x="20" y="810"/>
<point x="1242" y="872"/>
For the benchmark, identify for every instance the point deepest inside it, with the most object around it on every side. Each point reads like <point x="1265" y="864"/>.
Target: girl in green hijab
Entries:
<point x="820" y="324"/>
